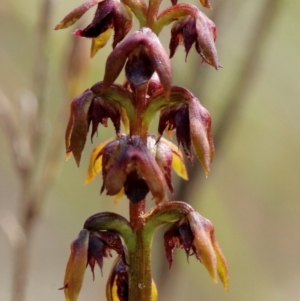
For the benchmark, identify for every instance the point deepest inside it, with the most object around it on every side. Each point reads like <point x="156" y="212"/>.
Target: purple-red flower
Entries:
<point x="87" y="109"/>
<point x="89" y="248"/>
<point x="192" y="123"/>
<point x="131" y="166"/>
<point x="195" y="234"/>
<point x="143" y="54"/>
<point x="127" y="163"/>
<point x="110" y="14"/>
<point x="200" y="31"/>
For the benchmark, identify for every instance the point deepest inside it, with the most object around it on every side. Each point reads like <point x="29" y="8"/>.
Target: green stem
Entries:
<point x="140" y="278"/>
<point x="166" y="213"/>
<point x="173" y="13"/>
<point x="152" y="12"/>
<point x="139" y="8"/>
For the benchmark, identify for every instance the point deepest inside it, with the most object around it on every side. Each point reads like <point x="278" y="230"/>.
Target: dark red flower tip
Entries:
<point x="100" y="246"/>
<point x="199" y="30"/>
<point x="180" y="236"/>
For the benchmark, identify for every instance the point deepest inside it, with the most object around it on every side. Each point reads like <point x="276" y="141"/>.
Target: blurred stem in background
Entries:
<point x="26" y="137"/>
<point x="235" y="99"/>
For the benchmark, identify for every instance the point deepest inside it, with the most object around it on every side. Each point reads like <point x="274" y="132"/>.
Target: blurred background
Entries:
<point x="252" y="194"/>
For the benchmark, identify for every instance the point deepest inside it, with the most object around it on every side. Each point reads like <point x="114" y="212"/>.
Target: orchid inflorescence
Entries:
<point x="136" y="162"/>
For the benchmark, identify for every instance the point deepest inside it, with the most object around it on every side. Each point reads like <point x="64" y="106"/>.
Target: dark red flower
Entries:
<point x="109" y="14"/>
<point x="143" y="54"/>
<point x="128" y="163"/>
<point x="192" y="123"/>
<point x="201" y="31"/>
<point x="88" y="108"/>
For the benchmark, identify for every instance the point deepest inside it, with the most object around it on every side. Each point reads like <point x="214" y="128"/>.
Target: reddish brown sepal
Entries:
<point x="144" y="54"/>
<point x="179" y="236"/>
<point x="109" y="14"/>
<point x="201" y="31"/>
<point x="88" y="108"/>
<point x="100" y="246"/>
<point x="128" y="163"/>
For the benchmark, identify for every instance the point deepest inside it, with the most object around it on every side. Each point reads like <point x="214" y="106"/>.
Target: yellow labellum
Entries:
<point x="177" y="160"/>
<point x="100" y="41"/>
<point x="95" y="165"/>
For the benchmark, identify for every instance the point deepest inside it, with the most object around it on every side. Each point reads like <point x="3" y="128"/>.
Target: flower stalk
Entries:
<point x="136" y="163"/>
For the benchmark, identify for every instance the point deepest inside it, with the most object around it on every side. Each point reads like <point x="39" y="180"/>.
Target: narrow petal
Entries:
<point x="206" y="36"/>
<point x="76" y="266"/>
<point x="200" y="130"/>
<point x="160" y="61"/>
<point x="76" y="14"/>
<point x="116" y="176"/>
<point x="201" y="228"/>
<point x="95" y="164"/>
<point x="177" y="162"/>
<point x="77" y="128"/>
<point x="222" y="267"/>
<point x="164" y="158"/>
<point x="205" y="3"/>
<point x="118" y="196"/>
<point x="117" y="59"/>
<point x="100" y="41"/>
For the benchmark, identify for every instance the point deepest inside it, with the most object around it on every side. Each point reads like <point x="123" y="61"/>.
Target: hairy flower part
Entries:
<point x="201" y="31"/>
<point x="128" y="163"/>
<point x="195" y="235"/>
<point x="200" y="132"/>
<point x="117" y="286"/>
<point x="76" y="266"/>
<point x="143" y="54"/>
<point x="86" y="109"/>
<point x="110" y="14"/>
<point x="100" y="245"/>
<point x="192" y="123"/>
